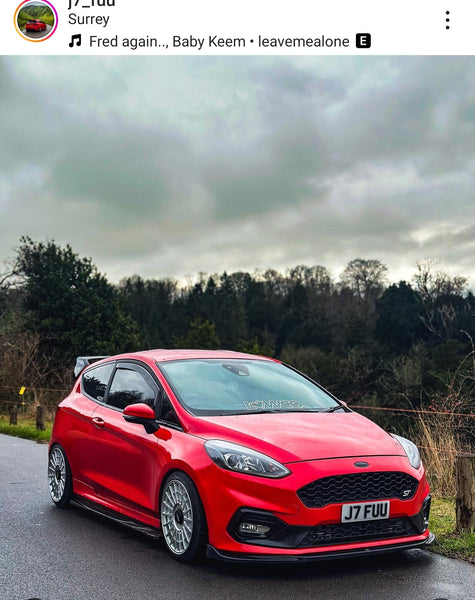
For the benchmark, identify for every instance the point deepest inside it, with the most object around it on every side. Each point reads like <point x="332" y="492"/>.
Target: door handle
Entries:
<point x="98" y="422"/>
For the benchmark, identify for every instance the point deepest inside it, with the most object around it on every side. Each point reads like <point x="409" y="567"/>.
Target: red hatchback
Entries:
<point x="35" y="25"/>
<point x="236" y="456"/>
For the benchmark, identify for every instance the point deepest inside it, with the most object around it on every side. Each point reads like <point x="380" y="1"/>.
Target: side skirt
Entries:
<point x="117" y="517"/>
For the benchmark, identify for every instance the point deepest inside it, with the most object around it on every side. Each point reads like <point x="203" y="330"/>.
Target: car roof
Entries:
<point x="164" y="355"/>
<point x="160" y="356"/>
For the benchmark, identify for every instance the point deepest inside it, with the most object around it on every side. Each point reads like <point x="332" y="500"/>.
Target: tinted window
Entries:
<point x="130" y="387"/>
<point x="94" y="381"/>
<point x="167" y="413"/>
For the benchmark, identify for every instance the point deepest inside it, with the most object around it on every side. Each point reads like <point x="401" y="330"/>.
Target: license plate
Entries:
<point x="365" y="511"/>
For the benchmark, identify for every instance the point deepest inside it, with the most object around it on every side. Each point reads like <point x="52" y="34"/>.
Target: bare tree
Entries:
<point x="22" y="364"/>
<point x="437" y="292"/>
<point x="366" y="278"/>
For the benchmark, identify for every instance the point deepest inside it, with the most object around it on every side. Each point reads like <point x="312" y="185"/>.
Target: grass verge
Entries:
<point x="25" y="429"/>
<point x="448" y="541"/>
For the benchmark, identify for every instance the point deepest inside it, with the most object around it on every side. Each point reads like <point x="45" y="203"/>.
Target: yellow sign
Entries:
<point x="22" y="391"/>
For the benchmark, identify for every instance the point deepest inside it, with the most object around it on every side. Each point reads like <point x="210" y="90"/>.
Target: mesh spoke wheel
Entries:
<point x="59" y="476"/>
<point x="182" y="517"/>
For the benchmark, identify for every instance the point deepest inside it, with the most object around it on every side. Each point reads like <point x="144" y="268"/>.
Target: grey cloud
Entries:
<point x="167" y="166"/>
<point x="401" y="120"/>
<point x="286" y="153"/>
<point x="130" y="173"/>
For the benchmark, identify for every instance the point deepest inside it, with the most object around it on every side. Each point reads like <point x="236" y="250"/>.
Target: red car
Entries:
<point x="237" y="456"/>
<point x="35" y="25"/>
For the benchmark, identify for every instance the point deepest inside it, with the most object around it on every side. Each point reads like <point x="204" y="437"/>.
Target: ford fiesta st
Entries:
<point x="35" y="25"/>
<point x="235" y="456"/>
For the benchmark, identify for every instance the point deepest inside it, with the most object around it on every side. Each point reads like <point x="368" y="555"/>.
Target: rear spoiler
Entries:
<point x="83" y="361"/>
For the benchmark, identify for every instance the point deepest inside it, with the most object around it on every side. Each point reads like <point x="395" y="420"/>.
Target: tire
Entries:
<point x="183" y="518"/>
<point x="60" y="480"/>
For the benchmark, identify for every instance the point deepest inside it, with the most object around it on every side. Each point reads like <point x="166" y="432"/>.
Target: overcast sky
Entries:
<point x="168" y="166"/>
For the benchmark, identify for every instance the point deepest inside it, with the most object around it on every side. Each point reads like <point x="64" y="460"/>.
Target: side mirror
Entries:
<point x="142" y="414"/>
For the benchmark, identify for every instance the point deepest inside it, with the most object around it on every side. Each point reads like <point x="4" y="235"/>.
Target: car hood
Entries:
<point x="290" y="437"/>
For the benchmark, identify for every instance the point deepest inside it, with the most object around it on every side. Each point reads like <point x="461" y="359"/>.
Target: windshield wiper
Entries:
<point x="266" y="411"/>
<point x="334" y="408"/>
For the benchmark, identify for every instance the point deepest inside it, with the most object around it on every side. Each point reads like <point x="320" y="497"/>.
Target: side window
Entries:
<point x="130" y="387"/>
<point x="167" y="413"/>
<point x="94" y="381"/>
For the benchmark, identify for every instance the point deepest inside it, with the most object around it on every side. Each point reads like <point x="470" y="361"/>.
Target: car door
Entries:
<point x="126" y="456"/>
<point x="79" y="436"/>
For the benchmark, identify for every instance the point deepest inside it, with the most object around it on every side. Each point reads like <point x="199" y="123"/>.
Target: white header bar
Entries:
<point x="244" y="27"/>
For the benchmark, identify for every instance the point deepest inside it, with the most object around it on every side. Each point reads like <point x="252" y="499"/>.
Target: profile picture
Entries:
<point x="36" y="20"/>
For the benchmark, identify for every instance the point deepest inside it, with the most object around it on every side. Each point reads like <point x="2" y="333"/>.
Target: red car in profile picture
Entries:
<point x="235" y="456"/>
<point x="35" y="25"/>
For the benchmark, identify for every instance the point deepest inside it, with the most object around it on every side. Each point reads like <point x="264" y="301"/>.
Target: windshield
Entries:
<point x="230" y="387"/>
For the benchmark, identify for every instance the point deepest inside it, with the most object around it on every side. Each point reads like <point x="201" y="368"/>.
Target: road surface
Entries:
<point x="54" y="554"/>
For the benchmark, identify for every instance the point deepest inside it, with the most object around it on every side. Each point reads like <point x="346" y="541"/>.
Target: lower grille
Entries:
<point x="282" y="535"/>
<point x="367" y="531"/>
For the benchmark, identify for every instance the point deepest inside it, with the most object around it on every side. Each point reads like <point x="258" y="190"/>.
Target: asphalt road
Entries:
<point x="37" y="34"/>
<point x="52" y="554"/>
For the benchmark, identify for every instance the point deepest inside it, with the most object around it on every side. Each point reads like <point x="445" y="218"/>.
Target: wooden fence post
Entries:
<point x="465" y="501"/>
<point x="40" y="418"/>
<point x="13" y="414"/>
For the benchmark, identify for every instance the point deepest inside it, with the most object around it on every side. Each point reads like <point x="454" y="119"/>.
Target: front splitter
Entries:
<point x="244" y="558"/>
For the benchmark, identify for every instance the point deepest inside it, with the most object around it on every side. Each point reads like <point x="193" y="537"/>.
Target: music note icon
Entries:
<point x="75" y="39"/>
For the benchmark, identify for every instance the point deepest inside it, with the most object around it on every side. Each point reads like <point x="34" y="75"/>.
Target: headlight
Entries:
<point x="410" y="449"/>
<point x="234" y="457"/>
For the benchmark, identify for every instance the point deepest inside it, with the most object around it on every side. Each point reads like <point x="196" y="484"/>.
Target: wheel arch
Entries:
<point x="185" y="542"/>
<point x="178" y="468"/>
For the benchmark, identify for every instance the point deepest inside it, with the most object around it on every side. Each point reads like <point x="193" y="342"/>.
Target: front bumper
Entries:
<point x="248" y="558"/>
<point x="279" y="534"/>
<point x="300" y="531"/>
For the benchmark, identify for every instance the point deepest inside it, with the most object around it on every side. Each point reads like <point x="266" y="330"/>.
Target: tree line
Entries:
<point x="407" y="344"/>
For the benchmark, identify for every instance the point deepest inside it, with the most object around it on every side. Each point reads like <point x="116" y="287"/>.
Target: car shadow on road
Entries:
<point x="391" y="562"/>
<point x="327" y="569"/>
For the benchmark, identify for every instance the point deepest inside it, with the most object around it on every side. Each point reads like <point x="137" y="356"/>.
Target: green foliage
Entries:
<point x="313" y="362"/>
<point x="156" y="308"/>
<point x="252" y="346"/>
<point x="398" y="323"/>
<point x="70" y="305"/>
<point x="448" y="355"/>
<point x="448" y="541"/>
<point x="201" y="335"/>
<point x="231" y="324"/>
<point x="28" y="432"/>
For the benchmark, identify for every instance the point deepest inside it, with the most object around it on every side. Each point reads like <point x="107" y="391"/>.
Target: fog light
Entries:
<point x="254" y="526"/>
<point x="253" y="529"/>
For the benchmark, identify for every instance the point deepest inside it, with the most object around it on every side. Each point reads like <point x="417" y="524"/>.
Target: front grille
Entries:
<point x="358" y="487"/>
<point x="365" y="531"/>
